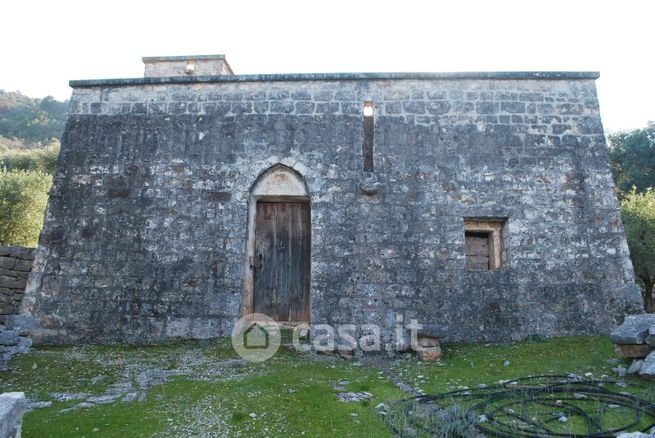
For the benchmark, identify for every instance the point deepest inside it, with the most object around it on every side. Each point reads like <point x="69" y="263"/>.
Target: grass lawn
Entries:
<point x="200" y="388"/>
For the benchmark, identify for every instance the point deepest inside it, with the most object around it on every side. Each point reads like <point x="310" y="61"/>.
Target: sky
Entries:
<point x="47" y="43"/>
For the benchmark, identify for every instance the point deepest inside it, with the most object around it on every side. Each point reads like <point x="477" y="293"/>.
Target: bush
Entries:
<point x="23" y="198"/>
<point x="43" y="159"/>
<point x="638" y="211"/>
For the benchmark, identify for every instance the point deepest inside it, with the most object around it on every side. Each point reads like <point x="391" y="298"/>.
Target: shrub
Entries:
<point x="23" y="198"/>
<point x="43" y="159"/>
<point x="638" y="211"/>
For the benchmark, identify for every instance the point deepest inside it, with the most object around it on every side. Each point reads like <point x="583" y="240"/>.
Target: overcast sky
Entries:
<point x="46" y="43"/>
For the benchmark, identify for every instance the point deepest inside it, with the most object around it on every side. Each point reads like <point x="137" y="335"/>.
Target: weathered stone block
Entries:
<point x="634" y="329"/>
<point x="7" y="262"/>
<point x="633" y="350"/>
<point x="429" y="354"/>
<point x="23" y="265"/>
<point x="648" y="367"/>
<point x="22" y="324"/>
<point x="12" y="407"/>
<point x="650" y="339"/>
<point x="8" y="337"/>
<point x="425" y="341"/>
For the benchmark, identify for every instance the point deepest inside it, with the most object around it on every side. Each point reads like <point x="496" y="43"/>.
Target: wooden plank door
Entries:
<point x="282" y="260"/>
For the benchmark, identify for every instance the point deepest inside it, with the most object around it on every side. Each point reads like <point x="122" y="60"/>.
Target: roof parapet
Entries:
<point x="192" y="65"/>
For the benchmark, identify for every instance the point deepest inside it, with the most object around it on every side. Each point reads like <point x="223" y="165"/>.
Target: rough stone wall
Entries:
<point x="15" y="266"/>
<point x="146" y="226"/>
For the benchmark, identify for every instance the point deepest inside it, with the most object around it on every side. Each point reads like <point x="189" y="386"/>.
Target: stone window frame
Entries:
<point x="496" y="229"/>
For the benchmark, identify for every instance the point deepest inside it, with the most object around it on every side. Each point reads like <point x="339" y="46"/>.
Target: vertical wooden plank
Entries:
<point x="281" y="288"/>
<point x="300" y="262"/>
<point x="264" y="274"/>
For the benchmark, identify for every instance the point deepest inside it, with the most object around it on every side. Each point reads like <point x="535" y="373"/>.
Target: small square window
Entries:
<point x="485" y="243"/>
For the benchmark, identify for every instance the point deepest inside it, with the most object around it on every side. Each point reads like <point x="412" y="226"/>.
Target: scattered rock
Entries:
<point x="252" y="415"/>
<point x="234" y="363"/>
<point x="634" y="329"/>
<point x="613" y="361"/>
<point x="648" y="367"/>
<point x="563" y="419"/>
<point x="98" y="379"/>
<point x="68" y="396"/>
<point x="635" y="366"/>
<point x="12" y="407"/>
<point x="506" y="363"/>
<point x="102" y="399"/>
<point x="633" y="435"/>
<point x="38" y="404"/>
<point x="621" y="371"/>
<point x="650" y="339"/>
<point x="354" y="396"/>
<point x="130" y="397"/>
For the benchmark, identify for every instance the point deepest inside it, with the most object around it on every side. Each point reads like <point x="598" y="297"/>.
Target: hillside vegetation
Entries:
<point x="30" y="131"/>
<point x="26" y="122"/>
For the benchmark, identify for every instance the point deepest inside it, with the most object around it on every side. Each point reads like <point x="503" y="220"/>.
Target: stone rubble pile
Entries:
<point x="14" y="338"/>
<point x="635" y="339"/>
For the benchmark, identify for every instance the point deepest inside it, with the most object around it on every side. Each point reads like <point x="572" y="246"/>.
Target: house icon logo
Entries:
<point x="256" y="337"/>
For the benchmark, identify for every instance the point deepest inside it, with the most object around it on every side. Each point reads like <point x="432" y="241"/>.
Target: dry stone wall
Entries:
<point x="15" y="266"/>
<point x="146" y="227"/>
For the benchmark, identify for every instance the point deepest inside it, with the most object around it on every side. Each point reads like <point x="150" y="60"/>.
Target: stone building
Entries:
<point x="478" y="203"/>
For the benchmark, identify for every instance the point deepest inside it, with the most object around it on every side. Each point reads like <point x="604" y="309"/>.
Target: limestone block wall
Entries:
<point x="15" y="266"/>
<point x="147" y="224"/>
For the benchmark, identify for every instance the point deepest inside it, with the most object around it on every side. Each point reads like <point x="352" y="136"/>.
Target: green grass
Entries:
<point x="470" y="365"/>
<point x="289" y="395"/>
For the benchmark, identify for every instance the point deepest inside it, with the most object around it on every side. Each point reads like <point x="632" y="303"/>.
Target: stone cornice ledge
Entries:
<point x="286" y="77"/>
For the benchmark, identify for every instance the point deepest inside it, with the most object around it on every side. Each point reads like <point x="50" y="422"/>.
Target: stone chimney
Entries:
<point x="199" y="65"/>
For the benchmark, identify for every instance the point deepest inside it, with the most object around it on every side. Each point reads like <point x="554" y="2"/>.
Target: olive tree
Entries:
<point x="23" y="198"/>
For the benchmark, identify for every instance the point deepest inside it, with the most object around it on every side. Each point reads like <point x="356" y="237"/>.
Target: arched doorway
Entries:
<point x="278" y="255"/>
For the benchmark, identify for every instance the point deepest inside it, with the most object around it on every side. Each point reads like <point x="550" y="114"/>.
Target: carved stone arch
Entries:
<point x="279" y="181"/>
<point x="276" y="184"/>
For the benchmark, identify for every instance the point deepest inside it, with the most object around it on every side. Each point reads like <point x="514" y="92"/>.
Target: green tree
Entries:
<point x="638" y="210"/>
<point x="36" y="121"/>
<point x="23" y="198"/>
<point x="632" y="155"/>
